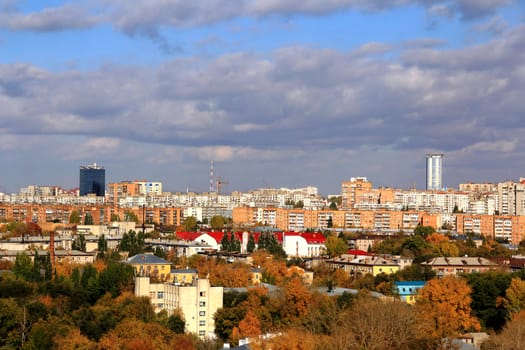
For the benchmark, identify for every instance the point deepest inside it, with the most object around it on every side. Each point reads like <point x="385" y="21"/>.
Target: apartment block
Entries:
<point x="352" y="191"/>
<point x="198" y="302"/>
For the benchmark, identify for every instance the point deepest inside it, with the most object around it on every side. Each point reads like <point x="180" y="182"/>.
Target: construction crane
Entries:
<point x="219" y="183"/>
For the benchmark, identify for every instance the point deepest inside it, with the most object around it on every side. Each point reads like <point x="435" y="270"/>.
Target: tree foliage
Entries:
<point x="444" y="308"/>
<point x="335" y="246"/>
<point x="74" y="217"/>
<point x="250" y="246"/>
<point x="190" y="224"/>
<point x="488" y="291"/>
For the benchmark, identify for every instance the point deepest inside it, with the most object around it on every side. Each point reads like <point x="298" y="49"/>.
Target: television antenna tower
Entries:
<point x="212" y="178"/>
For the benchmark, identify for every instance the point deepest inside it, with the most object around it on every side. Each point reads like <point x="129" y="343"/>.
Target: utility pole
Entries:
<point x="143" y="218"/>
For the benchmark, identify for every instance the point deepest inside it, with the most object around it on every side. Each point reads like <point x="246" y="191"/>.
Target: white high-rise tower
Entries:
<point x="434" y="171"/>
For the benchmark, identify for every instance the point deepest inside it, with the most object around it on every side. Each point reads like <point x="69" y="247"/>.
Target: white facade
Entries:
<point x="198" y="302"/>
<point x="298" y="246"/>
<point x="193" y="211"/>
<point x="434" y="171"/>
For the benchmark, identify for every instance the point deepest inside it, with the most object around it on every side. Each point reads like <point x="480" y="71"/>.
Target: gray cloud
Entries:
<point x="68" y="16"/>
<point x="297" y="102"/>
<point x="145" y="17"/>
<point x="297" y="97"/>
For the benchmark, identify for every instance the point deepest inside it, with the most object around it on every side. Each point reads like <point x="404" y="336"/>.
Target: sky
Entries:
<point x="278" y="93"/>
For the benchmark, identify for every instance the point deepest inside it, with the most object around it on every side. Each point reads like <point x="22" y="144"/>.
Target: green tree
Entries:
<point x="190" y="224"/>
<point x="37" y="275"/>
<point x="176" y="323"/>
<point x="235" y="244"/>
<point x="79" y="243"/>
<point x="102" y="244"/>
<point x="250" y="246"/>
<point x="130" y="216"/>
<point x="74" y="218"/>
<point x="335" y="246"/>
<point x="424" y="230"/>
<point x="217" y="222"/>
<point x="132" y="243"/>
<point x="48" y="268"/>
<point x="488" y="291"/>
<point x="226" y="243"/>
<point x="88" y="219"/>
<point x="23" y="268"/>
<point x="515" y="295"/>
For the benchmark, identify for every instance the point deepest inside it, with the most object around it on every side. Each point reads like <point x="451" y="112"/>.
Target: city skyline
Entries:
<point x="277" y="94"/>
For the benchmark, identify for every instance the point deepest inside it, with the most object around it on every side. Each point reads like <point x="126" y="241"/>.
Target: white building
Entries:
<point x="434" y="171"/>
<point x="198" y="302"/>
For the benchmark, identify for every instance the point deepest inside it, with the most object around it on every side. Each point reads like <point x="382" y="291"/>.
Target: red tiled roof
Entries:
<point x="358" y="252"/>
<point x="314" y="237"/>
<point x="216" y="235"/>
<point x="188" y="236"/>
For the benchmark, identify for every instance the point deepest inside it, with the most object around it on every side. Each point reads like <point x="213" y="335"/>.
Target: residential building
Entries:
<point x="352" y="191"/>
<point x="198" y="302"/>
<point x="305" y="244"/>
<point x="407" y="290"/>
<point x="445" y="266"/>
<point x="72" y="256"/>
<point x="183" y="277"/>
<point x="149" y="265"/>
<point x="363" y="265"/>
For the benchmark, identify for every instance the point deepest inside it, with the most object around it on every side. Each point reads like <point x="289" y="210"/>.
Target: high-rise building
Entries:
<point x="434" y="171"/>
<point x="92" y="180"/>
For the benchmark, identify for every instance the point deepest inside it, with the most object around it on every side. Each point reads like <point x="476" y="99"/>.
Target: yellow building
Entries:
<point x="183" y="276"/>
<point x="149" y="265"/>
<point x="363" y="265"/>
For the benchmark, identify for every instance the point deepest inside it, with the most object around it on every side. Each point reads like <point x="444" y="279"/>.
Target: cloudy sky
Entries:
<point x="281" y="93"/>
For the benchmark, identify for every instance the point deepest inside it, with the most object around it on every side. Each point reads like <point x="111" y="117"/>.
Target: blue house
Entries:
<point x="407" y="290"/>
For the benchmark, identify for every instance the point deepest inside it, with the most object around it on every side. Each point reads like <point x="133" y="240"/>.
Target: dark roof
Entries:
<point x="147" y="259"/>
<point x="183" y="271"/>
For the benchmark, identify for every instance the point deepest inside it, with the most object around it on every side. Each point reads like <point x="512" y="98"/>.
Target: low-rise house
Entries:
<point x="445" y="266"/>
<point x="198" y="302"/>
<point x="303" y="244"/>
<point x="367" y="242"/>
<point x="149" y="265"/>
<point x="363" y="265"/>
<point x="35" y="242"/>
<point x="179" y="247"/>
<point x="517" y="263"/>
<point x="183" y="277"/>
<point x="73" y="256"/>
<point x="407" y="291"/>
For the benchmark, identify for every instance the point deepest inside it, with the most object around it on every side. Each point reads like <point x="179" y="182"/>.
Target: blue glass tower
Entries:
<point x="92" y="180"/>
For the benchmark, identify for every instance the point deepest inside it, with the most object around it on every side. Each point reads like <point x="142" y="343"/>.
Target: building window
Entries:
<point x="202" y="303"/>
<point x="160" y="294"/>
<point x="202" y="333"/>
<point x="202" y="313"/>
<point x="202" y="323"/>
<point x="202" y="294"/>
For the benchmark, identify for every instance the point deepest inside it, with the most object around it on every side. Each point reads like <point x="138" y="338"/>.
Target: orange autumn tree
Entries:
<point x="443" y="308"/>
<point x="74" y="340"/>
<point x="297" y="296"/>
<point x="250" y="325"/>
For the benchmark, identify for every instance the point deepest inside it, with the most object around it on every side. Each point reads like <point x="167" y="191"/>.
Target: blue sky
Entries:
<point x="278" y="93"/>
